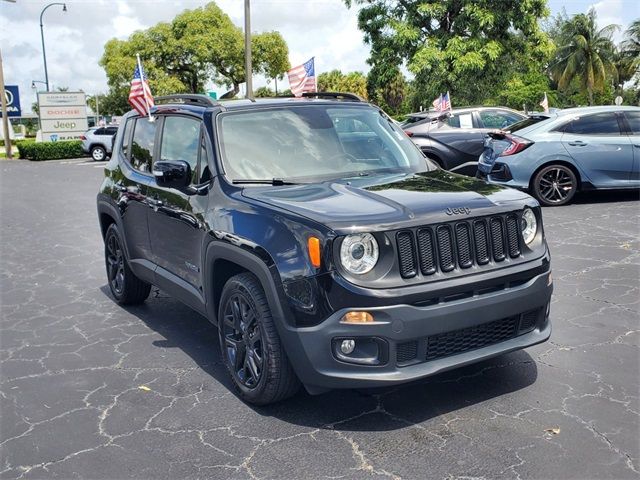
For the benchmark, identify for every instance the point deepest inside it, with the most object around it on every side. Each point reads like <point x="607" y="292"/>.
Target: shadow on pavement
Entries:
<point x="400" y="406"/>
<point x="606" y="196"/>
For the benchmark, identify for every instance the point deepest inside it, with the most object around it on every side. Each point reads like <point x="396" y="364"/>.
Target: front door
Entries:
<point x="175" y="218"/>
<point x="633" y="120"/>
<point x="600" y="148"/>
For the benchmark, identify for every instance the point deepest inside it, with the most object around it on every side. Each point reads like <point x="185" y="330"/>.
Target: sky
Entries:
<point x="326" y="29"/>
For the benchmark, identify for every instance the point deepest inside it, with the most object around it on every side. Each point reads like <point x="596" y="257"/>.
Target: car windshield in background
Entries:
<point x="314" y="142"/>
<point x="527" y="122"/>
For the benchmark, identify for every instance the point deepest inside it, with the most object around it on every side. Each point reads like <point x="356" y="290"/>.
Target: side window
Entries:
<point x="604" y="123"/>
<point x="142" y="143"/>
<point x="111" y="130"/>
<point x="181" y="141"/>
<point x="126" y="137"/>
<point x="453" y="121"/>
<point x="462" y="120"/>
<point x="99" y="131"/>
<point x="497" y="118"/>
<point x="634" y="122"/>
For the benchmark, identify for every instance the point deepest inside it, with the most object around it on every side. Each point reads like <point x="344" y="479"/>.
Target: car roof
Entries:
<point x="595" y="109"/>
<point x="435" y="113"/>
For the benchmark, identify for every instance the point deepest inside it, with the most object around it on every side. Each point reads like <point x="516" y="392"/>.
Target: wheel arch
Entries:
<point x="223" y="261"/>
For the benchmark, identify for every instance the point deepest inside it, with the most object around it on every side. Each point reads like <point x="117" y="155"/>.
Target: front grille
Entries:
<point x="463" y="340"/>
<point x="457" y="246"/>
<point x="459" y="341"/>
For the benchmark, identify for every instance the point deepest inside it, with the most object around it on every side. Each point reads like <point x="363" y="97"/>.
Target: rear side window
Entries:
<point x="126" y="137"/>
<point x="462" y="120"/>
<point x="605" y="123"/>
<point x="111" y="130"/>
<point x="634" y="121"/>
<point x="144" y="134"/>
<point x="497" y="118"/>
<point x="99" y="131"/>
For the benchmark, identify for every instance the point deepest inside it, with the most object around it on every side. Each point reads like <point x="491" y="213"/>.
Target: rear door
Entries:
<point x="599" y="145"/>
<point x="633" y="122"/>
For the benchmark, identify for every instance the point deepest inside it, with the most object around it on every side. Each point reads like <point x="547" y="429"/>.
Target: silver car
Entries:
<point x="98" y="141"/>
<point x="554" y="155"/>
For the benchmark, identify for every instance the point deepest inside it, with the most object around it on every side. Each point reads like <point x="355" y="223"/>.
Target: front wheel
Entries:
<point x="250" y="345"/>
<point x="555" y="185"/>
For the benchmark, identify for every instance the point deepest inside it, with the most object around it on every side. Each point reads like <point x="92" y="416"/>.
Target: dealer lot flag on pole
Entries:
<point x="303" y="78"/>
<point x="140" y="97"/>
<point x="545" y="103"/>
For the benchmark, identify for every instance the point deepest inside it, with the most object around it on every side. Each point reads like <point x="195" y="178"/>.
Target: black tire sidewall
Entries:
<point x="536" y="186"/>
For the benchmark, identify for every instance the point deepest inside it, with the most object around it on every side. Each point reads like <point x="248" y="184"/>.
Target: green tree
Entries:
<point x="466" y="47"/>
<point x="525" y="91"/>
<point x="336" y="81"/>
<point x="586" y="53"/>
<point x="263" y="92"/>
<point x="196" y="47"/>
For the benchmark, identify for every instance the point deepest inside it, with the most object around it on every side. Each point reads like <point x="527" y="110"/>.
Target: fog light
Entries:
<point x="357" y="317"/>
<point x="347" y="346"/>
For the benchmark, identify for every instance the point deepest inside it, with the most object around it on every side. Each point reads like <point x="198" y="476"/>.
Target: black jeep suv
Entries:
<point x="326" y="248"/>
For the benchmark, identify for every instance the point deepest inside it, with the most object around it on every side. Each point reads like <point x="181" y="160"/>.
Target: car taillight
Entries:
<point x="517" y="145"/>
<point x="409" y="134"/>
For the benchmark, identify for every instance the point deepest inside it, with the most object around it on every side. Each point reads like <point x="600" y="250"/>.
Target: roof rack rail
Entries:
<point x="187" y="98"/>
<point x="335" y="95"/>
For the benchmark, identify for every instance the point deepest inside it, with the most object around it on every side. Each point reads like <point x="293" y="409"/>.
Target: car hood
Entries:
<point x="390" y="202"/>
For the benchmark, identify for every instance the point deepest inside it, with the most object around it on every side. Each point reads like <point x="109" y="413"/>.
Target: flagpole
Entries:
<point x="146" y="102"/>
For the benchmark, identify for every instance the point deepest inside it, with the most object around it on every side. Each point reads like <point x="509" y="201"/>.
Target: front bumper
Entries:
<point x="420" y="341"/>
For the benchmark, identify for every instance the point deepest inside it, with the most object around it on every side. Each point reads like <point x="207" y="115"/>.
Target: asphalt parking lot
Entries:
<point x="73" y="363"/>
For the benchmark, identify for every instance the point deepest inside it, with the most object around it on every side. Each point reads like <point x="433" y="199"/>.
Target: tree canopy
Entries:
<point x="197" y="46"/>
<point x="464" y="46"/>
<point x="336" y="81"/>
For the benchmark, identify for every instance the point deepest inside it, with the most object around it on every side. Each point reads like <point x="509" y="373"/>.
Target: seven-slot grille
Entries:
<point x="458" y="245"/>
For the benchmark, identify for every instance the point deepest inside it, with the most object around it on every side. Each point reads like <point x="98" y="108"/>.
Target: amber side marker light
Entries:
<point x="357" y="317"/>
<point x="313" y="245"/>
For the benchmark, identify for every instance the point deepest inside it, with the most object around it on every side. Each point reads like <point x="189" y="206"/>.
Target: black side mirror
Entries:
<point x="172" y="174"/>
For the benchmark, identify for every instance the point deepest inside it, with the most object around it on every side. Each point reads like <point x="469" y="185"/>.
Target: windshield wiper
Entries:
<point x="273" y="181"/>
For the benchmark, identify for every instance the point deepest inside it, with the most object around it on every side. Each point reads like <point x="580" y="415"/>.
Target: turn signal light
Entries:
<point x="357" y="317"/>
<point x="313" y="245"/>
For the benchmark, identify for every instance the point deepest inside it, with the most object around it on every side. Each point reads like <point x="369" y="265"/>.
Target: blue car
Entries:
<point x="554" y="155"/>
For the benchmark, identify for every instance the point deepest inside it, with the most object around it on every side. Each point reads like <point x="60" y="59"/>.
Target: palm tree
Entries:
<point x="631" y="44"/>
<point x="584" y="52"/>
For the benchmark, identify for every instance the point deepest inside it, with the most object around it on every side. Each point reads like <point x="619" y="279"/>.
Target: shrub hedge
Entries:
<point x="49" y="150"/>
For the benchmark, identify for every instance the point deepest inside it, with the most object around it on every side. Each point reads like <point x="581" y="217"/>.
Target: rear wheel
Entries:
<point x="98" y="153"/>
<point x="555" y="185"/>
<point x="126" y="288"/>
<point x="250" y="345"/>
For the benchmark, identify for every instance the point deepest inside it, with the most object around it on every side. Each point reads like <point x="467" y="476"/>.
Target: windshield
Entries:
<point x="314" y="142"/>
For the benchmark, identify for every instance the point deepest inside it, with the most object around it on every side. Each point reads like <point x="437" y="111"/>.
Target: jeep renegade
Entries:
<point x="323" y="244"/>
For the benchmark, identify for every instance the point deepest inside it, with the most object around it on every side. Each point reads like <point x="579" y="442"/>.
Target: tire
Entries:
<point x="98" y="153"/>
<point x="250" y="345"/>
<point x="125" y="287"/>
<point x="554" y="185"/>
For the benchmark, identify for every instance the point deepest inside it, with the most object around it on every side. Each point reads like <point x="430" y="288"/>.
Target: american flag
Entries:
<point x="140" y="97"/>
<point x="442" y="103"/>
<point x="545" y="103"/>
<point x="302" y="78"/>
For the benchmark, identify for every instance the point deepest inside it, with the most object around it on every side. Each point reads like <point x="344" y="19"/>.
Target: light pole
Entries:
<point x="247" y="49"/>
<point x="44" y="55"/>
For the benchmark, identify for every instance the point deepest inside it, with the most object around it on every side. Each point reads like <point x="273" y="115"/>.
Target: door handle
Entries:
<point x="637" y="145"/>
<point x="578" y="143"/>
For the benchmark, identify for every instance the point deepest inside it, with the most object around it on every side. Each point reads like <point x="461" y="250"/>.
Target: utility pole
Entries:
<point x="5" y="115"/>
<point x="247" y="49"/>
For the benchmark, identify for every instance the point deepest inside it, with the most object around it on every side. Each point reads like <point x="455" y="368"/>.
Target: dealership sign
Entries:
<point x="63" y="115"/>
<point x="12" y="94"/>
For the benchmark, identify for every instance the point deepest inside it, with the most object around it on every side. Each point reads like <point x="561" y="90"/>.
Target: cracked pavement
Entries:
<point x="73" y="361"/>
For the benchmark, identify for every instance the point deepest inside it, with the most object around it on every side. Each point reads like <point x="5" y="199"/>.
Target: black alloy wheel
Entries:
<point x="555" y="185"/>
<point x="126" y="288"/>
<point x="243" y="341"/>
<point x="251" y="347"/>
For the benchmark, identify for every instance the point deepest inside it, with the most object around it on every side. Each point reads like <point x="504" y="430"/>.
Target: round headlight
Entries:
<point x="359" y="253"/>
<point x="529" y="225"/>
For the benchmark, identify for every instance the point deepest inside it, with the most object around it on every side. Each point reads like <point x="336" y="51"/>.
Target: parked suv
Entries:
<point x="455" y="140"/>
<point x="98" y="141"/>
<point x="326" y="248"/>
